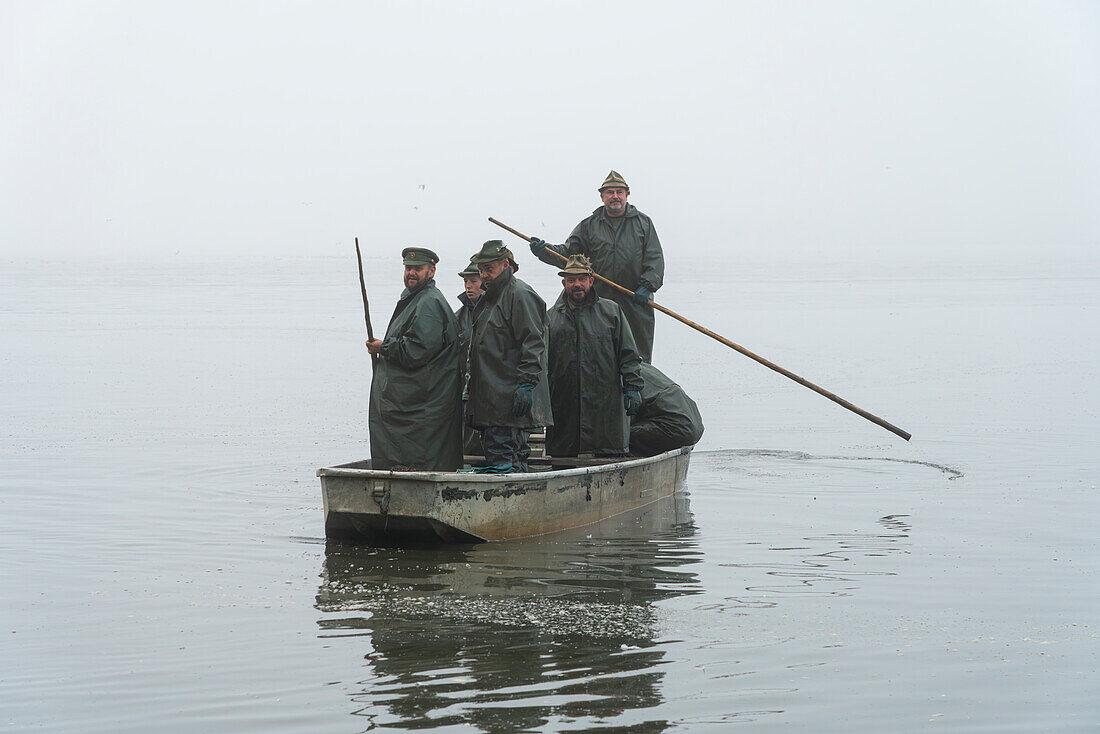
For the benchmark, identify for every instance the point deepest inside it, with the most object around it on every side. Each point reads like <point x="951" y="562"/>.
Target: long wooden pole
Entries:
<point x="366" y="304"/>
<point x="737" y="347"/>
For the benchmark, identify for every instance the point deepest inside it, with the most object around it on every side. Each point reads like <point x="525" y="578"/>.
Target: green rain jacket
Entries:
<point x="465" y="318"/>
<point x="593" y="360"/>
<point x="471" y="441"/>
<point x="668" y="418"/>
<point x="627" y="252"/>
<point x="507" y="348"/>
<point x="415" y="396"/>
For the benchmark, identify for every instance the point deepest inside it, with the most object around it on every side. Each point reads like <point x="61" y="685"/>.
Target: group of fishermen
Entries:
<point x="482" y="379"/>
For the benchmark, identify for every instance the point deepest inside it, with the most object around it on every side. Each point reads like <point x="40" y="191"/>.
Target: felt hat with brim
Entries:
<point x="418" y="256"/>
<point x="471" y="269"/>
<point x="494" y="251"/>
<point x="614" y="180"/>
<point x="576" y="265"/>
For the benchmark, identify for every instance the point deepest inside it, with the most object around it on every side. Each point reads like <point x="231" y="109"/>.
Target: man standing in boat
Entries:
<point x="507" y="392"/>
<point x="624" y="248"/>
<point x="667" y="418"/>
<point x="471" y="280"/>
<point x="595" y="375"/>
<point x="415" y="396"/>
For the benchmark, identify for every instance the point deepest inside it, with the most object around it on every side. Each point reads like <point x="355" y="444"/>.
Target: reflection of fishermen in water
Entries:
<point x="454" y="630"/>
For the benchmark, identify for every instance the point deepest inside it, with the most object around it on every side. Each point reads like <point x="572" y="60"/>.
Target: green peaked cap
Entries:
<point x="471" y="269"/>
<point x="418" y="256"/>
<point x="614" y="179"/>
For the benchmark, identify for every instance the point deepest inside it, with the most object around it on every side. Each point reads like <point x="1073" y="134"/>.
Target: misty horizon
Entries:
<point x="841" y="132"/>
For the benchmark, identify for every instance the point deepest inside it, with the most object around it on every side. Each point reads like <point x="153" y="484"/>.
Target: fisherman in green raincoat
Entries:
<point x="595" y="375"/>
<point x="625" y="249"/>
<point x="471" y="280"/>
<point x="667" y="418"/>
<point x="507" y="394"/>
<point x="415" y="396"/>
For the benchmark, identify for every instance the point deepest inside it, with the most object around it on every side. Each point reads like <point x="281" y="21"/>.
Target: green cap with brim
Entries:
<point x="418" y="256"/>
<point x="576" y="265"/>
<point x="614" y="180"/>
<point x="493" y="251"/>
<point x="471" y="269"/>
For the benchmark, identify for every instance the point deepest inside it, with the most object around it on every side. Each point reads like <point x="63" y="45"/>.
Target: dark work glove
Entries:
<point x="642" y="295"/>
<point x="632" y="400"/>
<point x="537" y="246"/>
<point x="522" y="399"/>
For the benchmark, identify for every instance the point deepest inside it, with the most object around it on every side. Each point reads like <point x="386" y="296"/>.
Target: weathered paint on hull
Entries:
<point x="390" y="506"/>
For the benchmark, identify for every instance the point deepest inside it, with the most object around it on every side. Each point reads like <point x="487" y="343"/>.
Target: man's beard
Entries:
<point x="577" y="295"/>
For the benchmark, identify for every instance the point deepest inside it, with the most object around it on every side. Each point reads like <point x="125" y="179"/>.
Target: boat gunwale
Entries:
<point x="472" y="477"/>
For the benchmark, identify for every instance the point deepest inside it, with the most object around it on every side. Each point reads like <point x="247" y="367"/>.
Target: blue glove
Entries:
<point x="632" y="400"/>
<point x="642" y="295"/>
<point x="522" y="399"/>
<point x="537" y="246"/>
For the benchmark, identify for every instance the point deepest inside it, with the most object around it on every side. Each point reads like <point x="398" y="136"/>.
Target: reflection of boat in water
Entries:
<point x="509" y="637"/>
<point x="465" y="508"/>
<point x="628" y="557"/>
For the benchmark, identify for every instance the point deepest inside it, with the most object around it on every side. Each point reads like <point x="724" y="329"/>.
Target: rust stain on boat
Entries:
<point x="511" y="489"/>
<point x="456" y="494"/>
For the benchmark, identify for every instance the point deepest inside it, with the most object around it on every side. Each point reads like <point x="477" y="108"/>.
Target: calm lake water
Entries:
<point x="165" y="567"/>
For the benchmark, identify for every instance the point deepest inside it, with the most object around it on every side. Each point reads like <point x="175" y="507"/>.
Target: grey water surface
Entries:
<point x="165" y="567"/>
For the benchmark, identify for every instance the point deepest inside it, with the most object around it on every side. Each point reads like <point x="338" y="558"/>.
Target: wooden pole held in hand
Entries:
<point x="737" y="347"/>
<point x="366" y="305"/>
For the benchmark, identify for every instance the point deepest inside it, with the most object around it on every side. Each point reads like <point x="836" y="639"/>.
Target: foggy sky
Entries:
<point x="878" y="130"/>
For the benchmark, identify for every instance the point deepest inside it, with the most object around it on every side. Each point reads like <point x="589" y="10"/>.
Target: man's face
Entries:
<point x="491" y="270"/>
<point x="614" y="200"/>
<point x="577" y="286"/>
<point x="473" y="286"/>
<point x="417" y="275"/>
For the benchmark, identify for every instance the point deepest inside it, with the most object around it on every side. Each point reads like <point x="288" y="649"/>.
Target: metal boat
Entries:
<point x="456" y="507"/>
